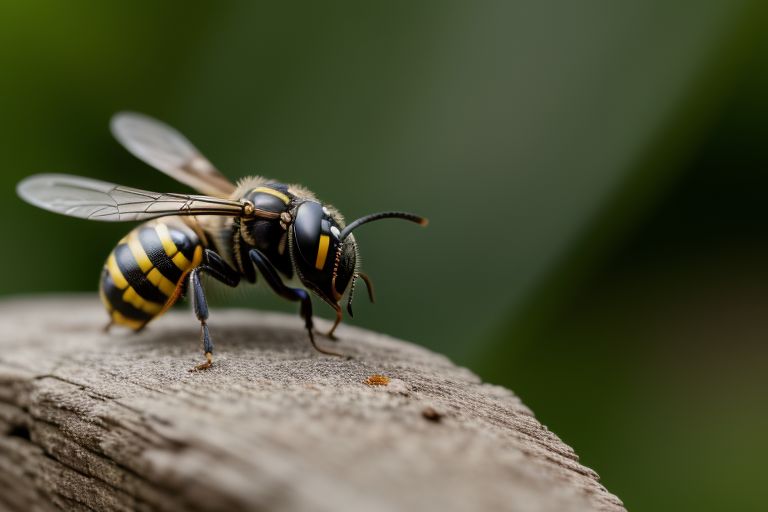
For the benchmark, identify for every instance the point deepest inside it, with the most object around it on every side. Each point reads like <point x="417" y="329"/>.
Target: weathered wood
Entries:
<point x="90" y="421"/>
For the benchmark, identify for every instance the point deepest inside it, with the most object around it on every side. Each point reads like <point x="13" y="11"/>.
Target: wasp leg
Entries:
<point x="292" y="294"/>
<point x="200" y="305"/>
<point x="330" y="334"/>
<point x="217" y="268"/>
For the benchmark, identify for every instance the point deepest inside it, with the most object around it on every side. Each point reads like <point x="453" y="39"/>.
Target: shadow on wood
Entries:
<point x="116" y="422"/>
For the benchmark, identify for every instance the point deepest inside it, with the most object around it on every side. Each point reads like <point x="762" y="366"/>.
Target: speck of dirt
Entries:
<point x="377" y="380"/>
<point x="431" y="414"/>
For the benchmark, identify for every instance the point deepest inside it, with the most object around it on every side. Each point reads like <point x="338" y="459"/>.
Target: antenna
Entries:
<point x="382" y="215"/>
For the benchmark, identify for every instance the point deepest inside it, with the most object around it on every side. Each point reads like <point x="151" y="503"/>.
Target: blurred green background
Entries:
<point x="596" y="175"/>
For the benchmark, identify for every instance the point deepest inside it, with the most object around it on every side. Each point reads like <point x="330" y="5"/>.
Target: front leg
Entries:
<point x="330" y="334"/>
<point x="293" y="294"/>
<point x="216" y="267"/>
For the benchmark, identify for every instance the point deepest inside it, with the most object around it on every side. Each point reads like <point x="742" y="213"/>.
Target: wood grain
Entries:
<point x="90" y="421"/>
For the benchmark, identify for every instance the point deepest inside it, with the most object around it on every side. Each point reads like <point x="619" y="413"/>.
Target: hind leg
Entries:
<point x="200" y="306"/>
<point x="215" y="267"/>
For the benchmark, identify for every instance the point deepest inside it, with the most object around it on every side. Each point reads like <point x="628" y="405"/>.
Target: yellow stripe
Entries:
<point x="114" y="272"/>
<point x="197" y="258"/>
<point x="172" y="251"/>
<point x="322" y="252"/>
<point x="121" y="320"/>
<point x="165" y="238"/>
<point x="181" y="261"/>
<point x="163" y="283"/>
<point x="139" y="254"/>
<point x="134" y="299"/>
<point x="184" y="264"/>
<point x="284" y="198"/>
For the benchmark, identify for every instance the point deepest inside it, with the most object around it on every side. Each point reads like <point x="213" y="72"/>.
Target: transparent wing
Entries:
<point x="98" y="200"/>
<point x="167" y="150"/>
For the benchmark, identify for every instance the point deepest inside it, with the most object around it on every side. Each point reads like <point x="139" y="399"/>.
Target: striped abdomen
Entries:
<point x="144" y="274"/>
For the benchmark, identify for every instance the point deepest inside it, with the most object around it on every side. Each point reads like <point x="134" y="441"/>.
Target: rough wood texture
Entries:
<point x="91" y="421"/>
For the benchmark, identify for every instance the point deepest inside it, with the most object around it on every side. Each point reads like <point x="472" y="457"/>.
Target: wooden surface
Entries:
<point x="90" y="421"/>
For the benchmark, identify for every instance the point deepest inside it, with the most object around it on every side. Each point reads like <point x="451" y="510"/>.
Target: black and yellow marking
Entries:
<point x="144" y="274"/>
<point x="272" y="192"/>
<point x="322" y="251"/>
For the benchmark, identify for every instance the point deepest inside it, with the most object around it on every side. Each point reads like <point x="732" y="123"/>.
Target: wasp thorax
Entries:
<point x="324" y="262"/>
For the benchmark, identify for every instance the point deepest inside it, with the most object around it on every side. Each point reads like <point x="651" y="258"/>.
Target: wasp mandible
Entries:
<point x="232" y="233"/>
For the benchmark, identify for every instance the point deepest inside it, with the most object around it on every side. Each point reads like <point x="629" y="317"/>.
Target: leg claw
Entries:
<point x="323" y="350"/>
<point x="204" y="366"/>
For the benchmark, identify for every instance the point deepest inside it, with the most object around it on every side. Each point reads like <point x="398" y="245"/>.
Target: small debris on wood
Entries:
<point x="395" y="386"/>
<point x="432" y="414"/>
<point x="377" y="380"/>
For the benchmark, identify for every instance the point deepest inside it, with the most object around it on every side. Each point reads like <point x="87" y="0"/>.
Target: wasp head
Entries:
<point x="324" y="261"/>
<point x="325" y="253"/>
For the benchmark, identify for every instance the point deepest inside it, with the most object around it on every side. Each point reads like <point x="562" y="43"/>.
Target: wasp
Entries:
<point x="232" y="233"/>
